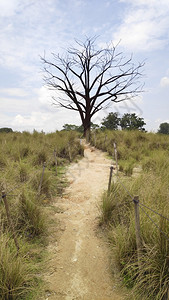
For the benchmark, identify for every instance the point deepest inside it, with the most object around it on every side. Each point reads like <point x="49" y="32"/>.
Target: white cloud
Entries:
<point x="11" y="106"/>
<point x="45" y="98"/>
<point x="5" y="120"/>
<point x="14" y="92"/>
<point x="26" y="30"/>
<point x="164" y="82"/>
<point x="8" y="7"/>
<point x="78" y="3"/>
<point x="48" y="122"/>
<point x="34" y="120"/>
<point x="144" y="26"/>
<point x="26" y="111"/>
<point x="17" y="101"/>
<point x="147" y="3"/>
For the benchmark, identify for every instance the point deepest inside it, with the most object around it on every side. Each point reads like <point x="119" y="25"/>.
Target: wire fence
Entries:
<point x="133" y="198"/>
<point x="138" y="204"/>
<point x="141" y="205"/>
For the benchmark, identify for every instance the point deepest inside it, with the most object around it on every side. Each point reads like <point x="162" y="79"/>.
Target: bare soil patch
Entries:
<point x="78" y="267"/>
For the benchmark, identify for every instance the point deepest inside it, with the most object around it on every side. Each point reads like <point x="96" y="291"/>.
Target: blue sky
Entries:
<point x="30" y="27"/>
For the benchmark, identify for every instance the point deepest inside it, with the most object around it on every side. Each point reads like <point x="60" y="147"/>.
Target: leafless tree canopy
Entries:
<point x="90" y="79"/>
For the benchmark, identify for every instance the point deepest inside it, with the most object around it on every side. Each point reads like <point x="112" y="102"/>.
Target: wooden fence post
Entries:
<point x="115" y="154"/>
<point x="110" y="178"/>
<point x="137" y="227"/>
<point x="41" y="180"/>
<point x="9" y="220"/>
<point x="55" y="158"/>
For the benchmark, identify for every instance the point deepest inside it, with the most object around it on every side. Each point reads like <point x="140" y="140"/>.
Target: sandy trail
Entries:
<point x="78" y="268"/>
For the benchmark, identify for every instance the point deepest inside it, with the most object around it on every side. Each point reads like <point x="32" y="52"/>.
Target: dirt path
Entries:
<point x="78" y="268"/>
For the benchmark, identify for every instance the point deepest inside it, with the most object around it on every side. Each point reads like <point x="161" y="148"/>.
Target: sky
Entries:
<point x="30" y="28"/>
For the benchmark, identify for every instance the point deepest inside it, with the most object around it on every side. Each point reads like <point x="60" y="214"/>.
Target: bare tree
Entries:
<point x="90" y="79"/>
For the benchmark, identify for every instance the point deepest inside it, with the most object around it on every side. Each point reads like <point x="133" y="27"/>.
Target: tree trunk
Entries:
<point x="87" y="134"/>
<point x="86" y="126"/>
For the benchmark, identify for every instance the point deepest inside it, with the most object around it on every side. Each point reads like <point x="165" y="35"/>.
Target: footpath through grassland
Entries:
<point x="79" y="258"/>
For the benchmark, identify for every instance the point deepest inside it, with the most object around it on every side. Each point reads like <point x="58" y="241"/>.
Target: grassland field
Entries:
<point x="148" y="153"/>
<point x="22" y="156"/>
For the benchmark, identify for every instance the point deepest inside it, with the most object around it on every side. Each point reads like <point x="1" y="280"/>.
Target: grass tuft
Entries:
<point x="31" y="219"/>
<point x="16" y="274"/>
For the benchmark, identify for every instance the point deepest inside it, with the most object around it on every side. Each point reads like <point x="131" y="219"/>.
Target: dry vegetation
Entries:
<point x="149" y="152"/>
<point x="21" y="159"/>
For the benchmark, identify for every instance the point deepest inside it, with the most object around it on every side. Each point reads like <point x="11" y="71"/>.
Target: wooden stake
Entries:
<point x="110" y="178"/>
<point x="137" y="224"/>
<point x="10" y="220"/>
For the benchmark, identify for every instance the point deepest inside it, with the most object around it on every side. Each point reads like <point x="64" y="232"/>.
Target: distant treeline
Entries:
<point x="6" y="129"/>
<point x="114" y="122"/>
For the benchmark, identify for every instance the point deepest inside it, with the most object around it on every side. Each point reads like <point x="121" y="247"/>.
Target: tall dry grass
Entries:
<point x="22" y="156"/>
<point x="151" y="280"/>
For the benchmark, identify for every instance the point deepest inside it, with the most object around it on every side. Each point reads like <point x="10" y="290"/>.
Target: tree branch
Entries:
<point x="92" y="78"/>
